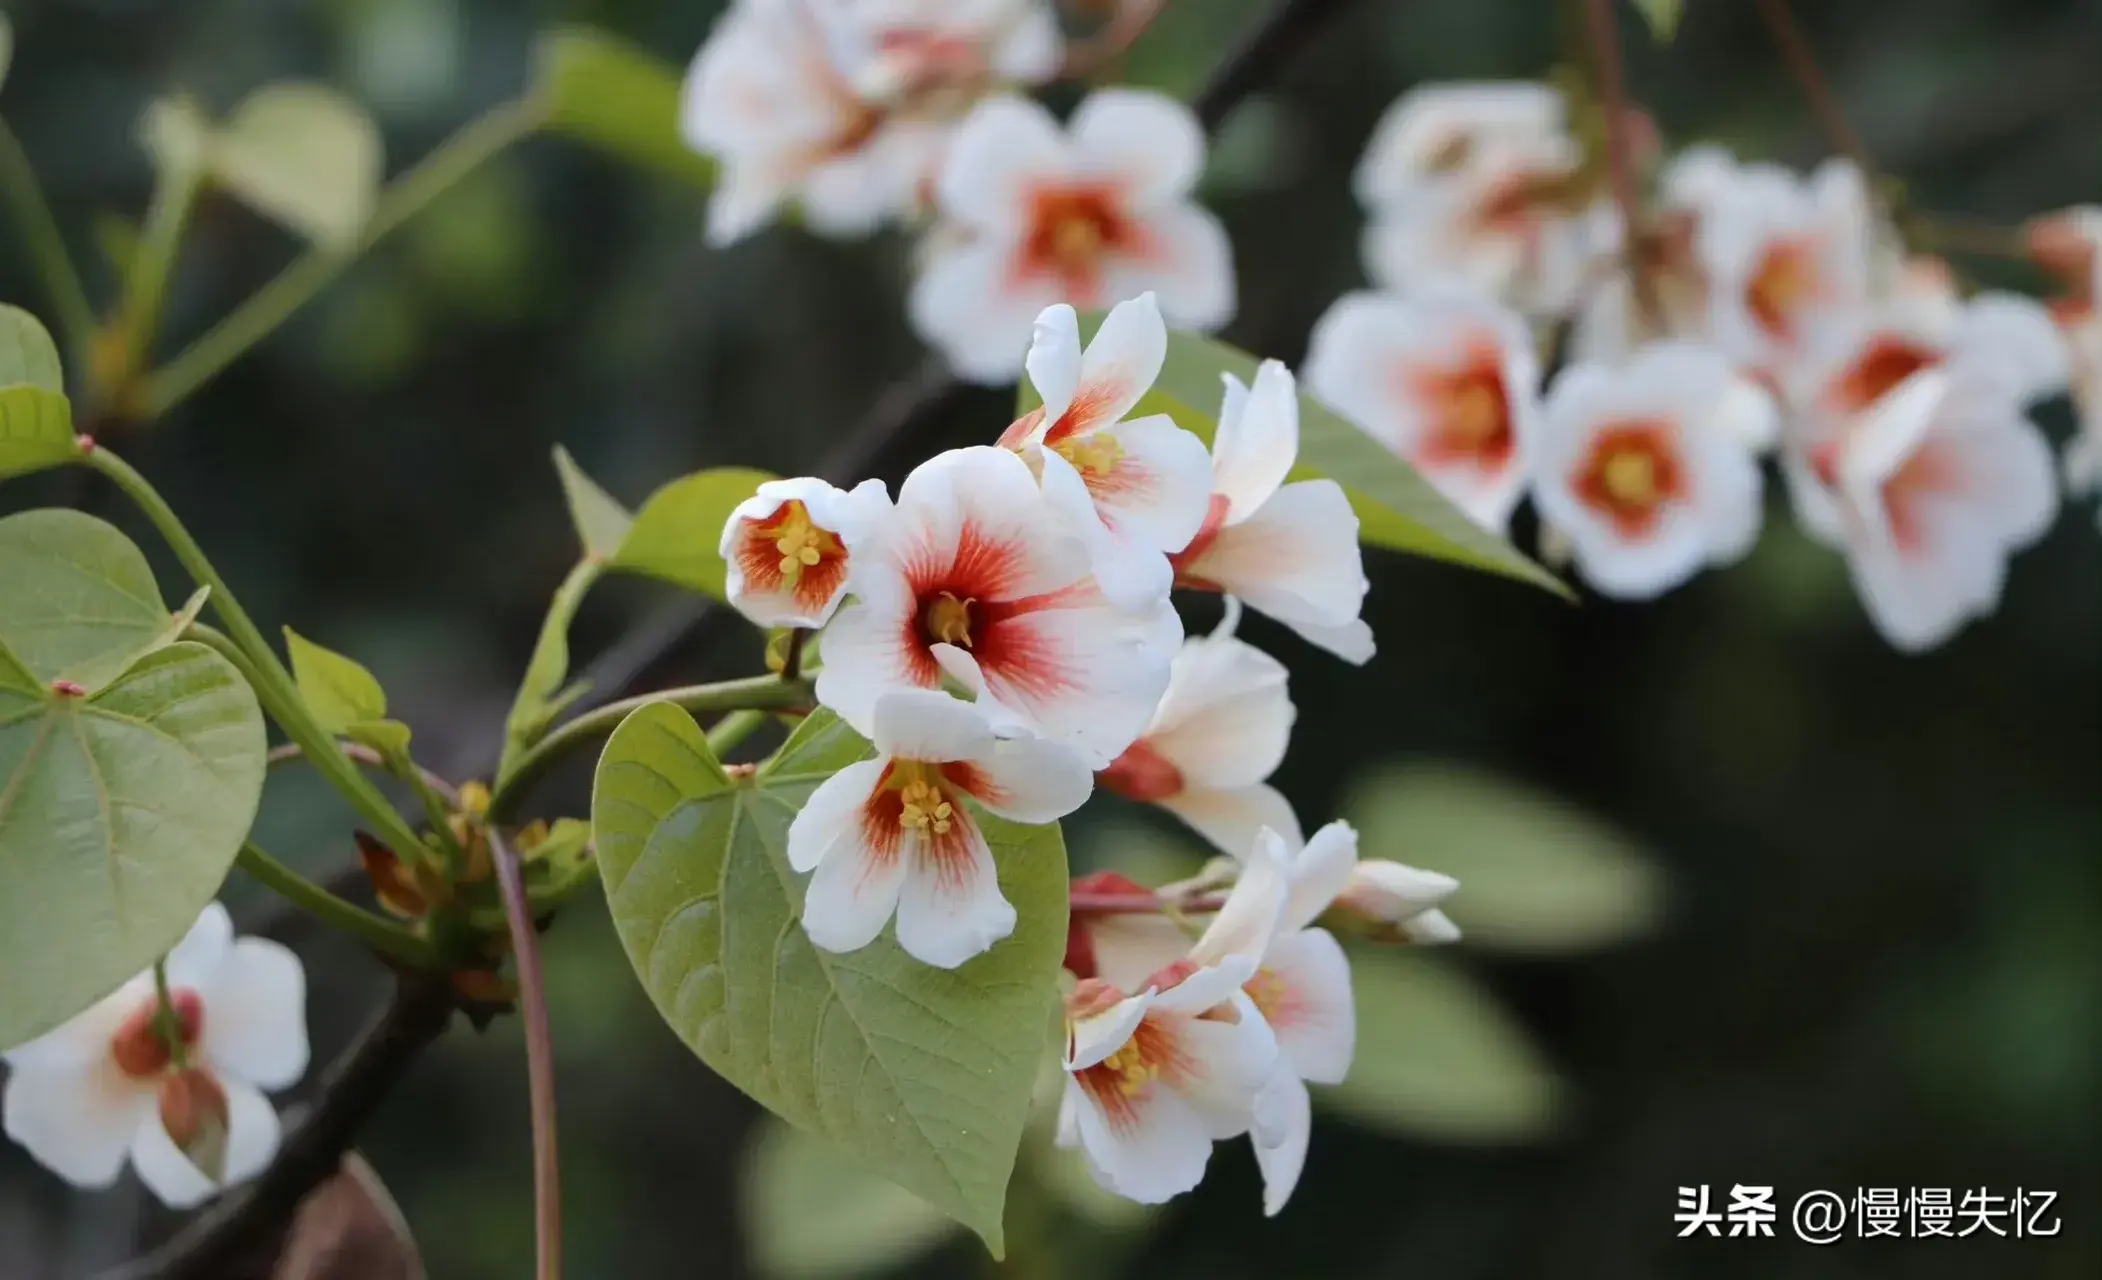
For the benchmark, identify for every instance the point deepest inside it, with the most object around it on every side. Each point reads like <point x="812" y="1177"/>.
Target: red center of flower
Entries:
<point x="969" y="599"/>
<point x="1887" y="361"/>
<point x="137" y="1047"/>
<point x="788" y="552"/>
<point x="1786" y="279"/>
<point x="1631" y="474"/>
<point x="1469" y="409"/>
<point x="1142" y="774"/>
<point x="1207" y="534"/>
<point x="1072" y="229"/>
<point x="1120" y="1083"/>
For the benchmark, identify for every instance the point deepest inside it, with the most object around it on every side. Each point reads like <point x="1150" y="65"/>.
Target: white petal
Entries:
<point x="196" y="959"/>
<point x="831" y="818"/>
<point x="255" y="1015"/>
<point x="1092" y="679"/>
<point x="1316" y="1025"/>
<point x="1091" y="1039"/>
<point x="865" y="654"/>
<point x="1119" y="367"/>
<point x="1249" y="917"/>
<point x="1149" y="141"/>
<point x="855" y="886"/>
<point x="922" y="724"/>
<point x="1188" y="262"/>
<point x="1319" y="872"/>
<point x="1032" y="48"/>
<point x="1160" y="490"/>
<point x="1054" y="359"/>
<point x="1131" y="947"/>
<point x="1431" y="929"/>
<point x="1159" y="1154"/>
<point x="76" y="1121"/>
<point x="1226" y="718"/>
<point x="83" y="1039"/>
<point x="965" y="304"/>
<point x="1003" y="148"/>
<point x="1284" y="1104"/>
<point x="849" y="195"/>
<point x="1394" y="892"/>
<point x="746" y="196"/>
<point x="252" y="1132"/>
<point x="1257" y="441"/>
<point x="1230" y="817"/>
<point x="2011" y="341"/>
<point x="1030" y="780"/>
<point x="951" y="908"/>
<point x="1296" y="559"/>
<point x="1233" y="1060"/>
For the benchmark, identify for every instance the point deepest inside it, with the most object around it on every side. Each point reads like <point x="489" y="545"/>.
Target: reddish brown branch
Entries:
<point x="1604" y="34"/>
<point x="540" y="1057"/>
<point x="1802" y="64"/>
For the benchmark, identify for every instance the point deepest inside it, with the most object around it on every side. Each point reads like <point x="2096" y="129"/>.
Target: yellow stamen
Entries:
<point x="1130" y="1067"/>
<point x="1630" y="476"/>
<point x="949" y="619"/>
<point x="801" y="544"/>
<point x="925" y="809"/>
<point x="1076" y="241"/>
<point x="1096" y="453"/>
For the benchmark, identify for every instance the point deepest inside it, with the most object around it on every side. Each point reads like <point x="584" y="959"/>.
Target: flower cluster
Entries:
<point x="906" y="111"/>
<point x="1003" y="633"/>
<point x="1752" y="311"/>
<point x="175" y="1086"/>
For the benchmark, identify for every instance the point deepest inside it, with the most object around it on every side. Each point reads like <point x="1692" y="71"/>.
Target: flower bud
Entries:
<point x="1401" y="899"/>
<point x="193" y="1110"/>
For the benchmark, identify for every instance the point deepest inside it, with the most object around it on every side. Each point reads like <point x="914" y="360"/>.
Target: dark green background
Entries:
<point x="1882" y="962"/>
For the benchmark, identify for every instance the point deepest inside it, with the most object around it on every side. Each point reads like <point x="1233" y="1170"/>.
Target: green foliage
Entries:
<point x="344" y="697"/>
<point x="1536" y="874"/>
<point x="303" y="155"/>
<point x="1437" y="1057"/>
<point x="601" y="90"/>
<point x="678" y="531"/>
<point x="602" y="523"/>
<point x="36" y="422"/>
<point x="7" y="47"/>
<point x="924" y="1074"/>
<point x="81" y="602"/>
<point x="120" y="812"/>
<point x="28" y="356"/>
<point x="812" y="1215"/>
<point x="1663" y="17"/>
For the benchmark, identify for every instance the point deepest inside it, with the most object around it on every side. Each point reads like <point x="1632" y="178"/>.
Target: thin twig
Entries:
<point x="540" y="1057"/>
<point x="1604" y="33"/>
<point x="1097" y="53"/>
<point x="291" y="752"/>
<point x="1802" y="64"/>
<point x="1126" y="904"/>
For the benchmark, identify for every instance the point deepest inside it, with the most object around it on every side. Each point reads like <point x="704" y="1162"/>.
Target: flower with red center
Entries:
<point x="1221" y="729"/>
<point x="1134" y="490"/>
<point x="1647" y="468"/>
<point x="1445" y="379"/>
<point x="1920" y="462"/>
<point x="1286" y="550"/>
<point x="847" y="109"/>
<point x="894" y="836"/>
<point x="1154" y="1078"/>
<point x="110" y="1084"/>
<point x="1091" y="214"/>
<point x="788" y="549"/>
<point x="1787" y="258"/>
<point x="976" y="577"/>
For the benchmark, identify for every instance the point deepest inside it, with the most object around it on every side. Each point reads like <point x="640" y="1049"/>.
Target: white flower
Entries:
<point x="1916" y="455"/>
<point x="788" y="550"/>
<point x="1091" y="215"/>
<point x="1787" y="259"/>
<point x="892" y="835"/>
<point x="104" y="1085"/>
<point x="1287" y="550"/>
<point x="1221" y="729"/>
<point x="976" y="576"/>
<point x="1648" y="468"/>
<point x="1154" y="1078"/>
<point x="1610" y="326"/>
<point x="1134" y="490"/>
<point x="847" y="108"/>
<point x="1446" y="379"/>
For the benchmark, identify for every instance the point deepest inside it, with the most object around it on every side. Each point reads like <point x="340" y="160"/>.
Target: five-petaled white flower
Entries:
<point x="1444" y="378"/>
<point x="893" y="836"/>
<point x="788" y="550"/>
<point x="1648" y="468"/>
<point x="1917" y="456"/>
<point x="1786" y="259"/>
<point x="1156" y="1077"/>
<point x="1287" y="550"/>
<point x="848" y="108"/>
<point x="1091" y="215"/>
<point x="106" y="1084"/>
<point x="1133" y="490"/>
<point x="1221" y="729"/>
<point x="976" y="576"/>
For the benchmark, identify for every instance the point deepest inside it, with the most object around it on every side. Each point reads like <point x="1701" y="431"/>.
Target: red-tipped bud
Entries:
<point x="194" y="1112"/>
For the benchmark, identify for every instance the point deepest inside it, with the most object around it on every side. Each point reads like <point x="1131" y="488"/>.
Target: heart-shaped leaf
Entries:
<point x="120" y="812"/>
<point x="601" y="90"/>
<point x="36" y="430"/>
<point x="678" y="531"/>
<point x="304" y="156"/>
<point x="923" y="1074"/>
<point x="28" y="356"/>
<point x="81" y="602"/>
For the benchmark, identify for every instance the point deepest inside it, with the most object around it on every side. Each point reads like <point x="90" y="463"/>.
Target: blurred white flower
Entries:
<point x="1090" y="214"/>
<point x="1788" y="260"/>
<point x="1287" y="550"/>
<point x="788" y="550"/>
<point x="1609" y="325"/>
<point x="892" y="835"/>
<point x="1648" y="468"/>
<point x="106" y="1085"/>
<point x="848" y="105"/>
<point x="976" y="576"/>
<point x="1133" y="490"/>
<point x="1445" y="378"/>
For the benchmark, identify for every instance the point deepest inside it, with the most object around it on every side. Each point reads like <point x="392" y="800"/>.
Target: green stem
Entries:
<point x="375" y="931"/>
<point x="146" y="284"/>
<point x="435" y="812"/>
<point x="166" y="1024"/>
<point x="754" y="693"/>
<point x="69" y="298"/>
<point x="270" y="306"/>
<point x="728" y="733"/>
<point x="530" y="710"/>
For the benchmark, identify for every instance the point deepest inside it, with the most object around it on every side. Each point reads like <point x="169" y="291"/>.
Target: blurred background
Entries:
<point x="1752" y="898"/>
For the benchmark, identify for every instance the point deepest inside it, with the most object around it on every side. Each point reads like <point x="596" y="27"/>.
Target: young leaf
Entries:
<point x="81" y="602"/>
<point x="337" y="690"/>
<point x="36" y="430"/>
<point x="305" y="156"/>
<point x="120" y="812"/>
<point x="678" y="530"/>
<point x="28" y="356"/>
<point x="1663" y="17"/>
<point x="923" y="1074"/>
<point x="601" y="90"/>
<point x="602" y="523"/>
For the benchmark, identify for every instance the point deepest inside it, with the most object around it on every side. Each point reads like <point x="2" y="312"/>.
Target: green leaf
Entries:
<point x="7" y="46"/>
<point x="82" y="604"/>
<point x="336" y="689"/>
<point x="601" y="90"/>
<point x="120" y="813"/>
<point x="1536" y="874"/>
<point x="1437" y="1057"/>
<point x="923" y="1074"/>
<point x="1663" y="17"/>
<point x="867" y="1225"/>
<point x="303" y="155"/>
<point x="602" y="523"/>
<point x="678" y="531"/>
<point x="27" y="353"/>
<point x="36" y="430"/>
<point x="388" y="737"/>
